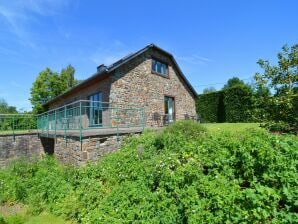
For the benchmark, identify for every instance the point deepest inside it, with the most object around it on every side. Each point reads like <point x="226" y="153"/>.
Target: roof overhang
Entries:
<point x="105" y="73"/>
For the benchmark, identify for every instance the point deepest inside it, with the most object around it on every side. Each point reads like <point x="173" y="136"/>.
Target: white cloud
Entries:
<point x="109" y="53"/>
<point x="20" y="15"/>
<point x="195" y="59"/>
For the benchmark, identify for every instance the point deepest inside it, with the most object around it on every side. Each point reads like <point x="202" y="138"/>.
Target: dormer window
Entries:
<point x="159" y="67"/>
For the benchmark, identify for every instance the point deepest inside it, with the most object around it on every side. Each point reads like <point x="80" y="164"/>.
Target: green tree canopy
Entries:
<point x="49" y="84"/>
<point x="282" y="80"/>
<point x="283" y="77"/>
<point x="5" y="108"/>
<point x="67" y="77"/>
<point x="232" y="82"/>
<point x="209" y="90"/>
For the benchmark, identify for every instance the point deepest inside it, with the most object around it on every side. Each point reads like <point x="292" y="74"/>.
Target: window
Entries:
<point x="95" y="109"/>
<point x="159" y="68"/>
<point x="169" y="109"/>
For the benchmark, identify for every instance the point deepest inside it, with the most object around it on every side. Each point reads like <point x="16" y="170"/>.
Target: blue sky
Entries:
<point x="211" y="40"/>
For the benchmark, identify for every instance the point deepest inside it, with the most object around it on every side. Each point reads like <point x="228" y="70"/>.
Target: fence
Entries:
<point x="83" y="115"/>
<point x="77" y="117"/>
<point x="16" y="123"/>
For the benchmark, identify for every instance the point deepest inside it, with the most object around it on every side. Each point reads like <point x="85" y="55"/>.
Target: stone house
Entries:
<point x="149" y="78"/>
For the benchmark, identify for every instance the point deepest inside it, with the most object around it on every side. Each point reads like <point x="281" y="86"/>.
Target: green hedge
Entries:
<point x="238" y="104"/>
<point x="231" y="105"/>
<point x="210" y="107"/>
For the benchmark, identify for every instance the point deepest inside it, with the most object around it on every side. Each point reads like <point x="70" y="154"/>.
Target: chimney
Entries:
<point x="101" y="68"/>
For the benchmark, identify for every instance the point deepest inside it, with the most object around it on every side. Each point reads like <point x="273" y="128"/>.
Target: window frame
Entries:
<point x="174" y="105"/>
<point x="91" y="108"/>
<point x="157" y="73"/>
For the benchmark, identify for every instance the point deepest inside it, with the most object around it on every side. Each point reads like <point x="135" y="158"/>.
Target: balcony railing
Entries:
<point x="86" y="115"/>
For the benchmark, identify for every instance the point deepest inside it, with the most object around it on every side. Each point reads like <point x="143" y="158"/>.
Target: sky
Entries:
<point x="212" y="41"/>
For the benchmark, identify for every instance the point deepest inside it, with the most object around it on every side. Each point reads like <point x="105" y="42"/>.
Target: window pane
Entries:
<point x="95" y="109"/>
<point x="166" y="105"/>
<point x="164" y="69"/>
<point x="159" y="67"/>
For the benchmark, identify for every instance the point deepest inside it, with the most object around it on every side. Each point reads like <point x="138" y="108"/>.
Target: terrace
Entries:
<point x="81" y="119"/>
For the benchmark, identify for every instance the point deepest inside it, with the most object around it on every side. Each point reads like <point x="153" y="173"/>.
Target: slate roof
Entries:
<point x="124" y="60"/>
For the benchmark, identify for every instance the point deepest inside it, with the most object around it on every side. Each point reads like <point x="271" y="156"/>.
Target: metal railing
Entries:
<point x="85" y="115"/>
<point x="17" y="123"/>
<point x="77" y="117"/>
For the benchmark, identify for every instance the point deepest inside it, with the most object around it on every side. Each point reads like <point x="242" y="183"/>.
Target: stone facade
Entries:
<point x="72" y="151"/>
<point x="133" y="83"/>
<point x="23" y="145"/>
<point x="67" y="150"/>
<point x="101" y="85"/>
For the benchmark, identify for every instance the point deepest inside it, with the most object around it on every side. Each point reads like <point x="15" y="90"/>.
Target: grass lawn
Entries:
<point x="16" y="132"/>
<point x="18" y="214"/>
<point x="230" y="127"/>
<point x="45" y="218"/>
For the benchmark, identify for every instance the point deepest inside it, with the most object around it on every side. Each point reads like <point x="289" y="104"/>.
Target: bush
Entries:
<point x="211" y="107"/>
<point x="235" y="104"/>
<point x="238" y="104"/>
<point x="188" y="129"/>
<point x="179" y="175"/>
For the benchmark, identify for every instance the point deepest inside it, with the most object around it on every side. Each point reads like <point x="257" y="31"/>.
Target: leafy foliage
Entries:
<point x="238" y="103"/>
<point x="232" y="82"/>
<point x="282" y="79"/>
<point x="211" y="107"/>
<point x="6" y="109"/>
<point x="234" y="104"/>
<point x="11" y="119"/>
<point x="209" y="90"/>
<point x="179" y="175"/>
<point x="49" y="84"/>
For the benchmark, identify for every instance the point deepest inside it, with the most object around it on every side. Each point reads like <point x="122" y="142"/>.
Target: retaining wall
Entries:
<point x="67" y="150"/>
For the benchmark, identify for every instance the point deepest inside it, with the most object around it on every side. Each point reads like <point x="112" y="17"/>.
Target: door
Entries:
<point x="95" y="110"/>
<point x="169" y="109"/>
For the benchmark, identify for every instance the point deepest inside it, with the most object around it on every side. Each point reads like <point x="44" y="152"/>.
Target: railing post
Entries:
<point x="81" y="123"/>
<point x="14" y="138"/>
<point x="48" y="124"/>
<point x="55" y="125"/>
<point x="65" y="120"/>
<point x="117" y="120"/>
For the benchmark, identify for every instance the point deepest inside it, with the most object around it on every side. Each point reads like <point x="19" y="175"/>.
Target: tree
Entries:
<point x="209" y="90"/>
<point x="49" y="84"/>
<point x="6" y="109"/>
<point x="67" y="77"/>
<point x="282" y="80"/>
<point x="235" y="81"/>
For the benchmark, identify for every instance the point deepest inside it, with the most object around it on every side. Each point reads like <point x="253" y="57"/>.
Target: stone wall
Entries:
<point x="23" y="145"/>
<point x="102" y="85"/>
<point x="71" y="151"/>
<point x="67" y="150"/>
<point x="135" y="83"/>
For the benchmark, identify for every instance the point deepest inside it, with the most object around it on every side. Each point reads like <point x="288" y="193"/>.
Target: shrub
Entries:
<point x="238" y="103"/>
<point x="235" y="104"/>
<point x="179" y="175"/>
<point x="211" y="107"/>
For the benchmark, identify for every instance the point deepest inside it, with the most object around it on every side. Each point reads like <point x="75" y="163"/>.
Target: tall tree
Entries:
<point x="49" y="84"/>
<point x="5" y="108"/>
<point x="67" y="77"/>
<point x="282" y="80"/>
<point x="209" y="90"/>
<point x="235" y="81"/>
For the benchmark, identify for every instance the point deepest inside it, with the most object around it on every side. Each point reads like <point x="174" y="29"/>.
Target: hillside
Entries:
<point x="184" y="174"/>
